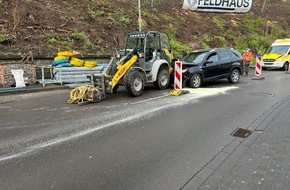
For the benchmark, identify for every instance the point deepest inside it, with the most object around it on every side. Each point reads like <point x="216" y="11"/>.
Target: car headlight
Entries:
<point x="184" y="70"/>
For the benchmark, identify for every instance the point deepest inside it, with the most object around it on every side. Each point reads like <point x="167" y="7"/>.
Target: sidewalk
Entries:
<point x="259" y="162"/>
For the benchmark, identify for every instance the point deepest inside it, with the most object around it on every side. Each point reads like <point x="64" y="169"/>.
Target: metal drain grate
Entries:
<point x="242" y="133"/>
<point x="264" y="94"/>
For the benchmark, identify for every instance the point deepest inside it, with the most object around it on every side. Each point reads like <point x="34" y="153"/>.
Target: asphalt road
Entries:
<point x="155" y="141"/>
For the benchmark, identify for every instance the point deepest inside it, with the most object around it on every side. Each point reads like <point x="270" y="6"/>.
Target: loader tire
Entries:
<point x="116" y="88"/>
<point x="135" y="83"/>
<point x="162" y="80"/>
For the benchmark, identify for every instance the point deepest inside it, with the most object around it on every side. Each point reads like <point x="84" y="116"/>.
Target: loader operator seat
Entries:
<point x="148" y="54"/>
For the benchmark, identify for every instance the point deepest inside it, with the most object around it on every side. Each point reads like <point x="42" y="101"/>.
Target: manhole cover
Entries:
<point x="242" y="133"/>
<point x="264" y="94"/>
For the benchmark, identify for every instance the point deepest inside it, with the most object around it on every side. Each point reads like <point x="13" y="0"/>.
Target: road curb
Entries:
<point x="30" y="89"/>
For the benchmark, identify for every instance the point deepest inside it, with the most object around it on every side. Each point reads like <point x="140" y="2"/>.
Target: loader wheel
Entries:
<point x="116" y="88"/>
<point x="162" y="80"/>
<point x="135" y="83"/>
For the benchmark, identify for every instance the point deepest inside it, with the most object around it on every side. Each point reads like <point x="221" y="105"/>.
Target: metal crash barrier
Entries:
<point x="68" y="75"/>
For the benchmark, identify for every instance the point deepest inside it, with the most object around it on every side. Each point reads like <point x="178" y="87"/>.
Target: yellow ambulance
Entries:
<point x="278" y="55"/>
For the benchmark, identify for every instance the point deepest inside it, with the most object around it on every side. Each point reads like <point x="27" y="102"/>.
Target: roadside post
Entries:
<point x="258" y="69"/>
<point x="178" y="80"/>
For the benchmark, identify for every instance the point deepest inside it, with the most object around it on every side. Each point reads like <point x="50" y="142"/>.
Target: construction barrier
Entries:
<point x="178" y="76"/>
<point x="178" y="80"/>
<point x="258" y="69"/>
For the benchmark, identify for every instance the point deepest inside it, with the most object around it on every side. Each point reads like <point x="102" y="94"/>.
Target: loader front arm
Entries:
<point x="122" y="69"/>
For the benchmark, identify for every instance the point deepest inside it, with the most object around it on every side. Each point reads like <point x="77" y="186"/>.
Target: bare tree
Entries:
<point x="263" y="7"/>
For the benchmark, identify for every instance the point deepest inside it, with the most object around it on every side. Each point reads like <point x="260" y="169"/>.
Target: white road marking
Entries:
<point x="150" y="99"/>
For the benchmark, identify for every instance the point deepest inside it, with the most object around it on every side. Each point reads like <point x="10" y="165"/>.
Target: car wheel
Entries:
<point x="285" y="66"/>
<point x="234" y="76"/>
<point x="162" y="80"/>
<point x="264" y="68"/>
<point x="195" y="81"/>
<point x="135" y="83"/>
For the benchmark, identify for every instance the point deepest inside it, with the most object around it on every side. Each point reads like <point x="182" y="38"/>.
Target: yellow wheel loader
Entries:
<point x="147" y="60"/>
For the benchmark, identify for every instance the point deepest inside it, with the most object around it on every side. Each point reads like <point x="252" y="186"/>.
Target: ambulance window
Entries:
<point x="278" y="49"/>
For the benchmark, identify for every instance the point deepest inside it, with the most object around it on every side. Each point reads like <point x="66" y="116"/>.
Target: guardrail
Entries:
<point x="69" y="75"/>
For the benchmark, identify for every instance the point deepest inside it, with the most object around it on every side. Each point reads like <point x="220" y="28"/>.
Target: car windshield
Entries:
<point x="278" y="49"/>
<point x="195" y="57"/>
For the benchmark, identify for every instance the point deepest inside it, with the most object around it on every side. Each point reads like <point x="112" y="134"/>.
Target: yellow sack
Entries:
<point x="57" y="58"/>
<point x="76" y="62"/>
<point x="90" y="64"/>
<point x="65" y="54"/>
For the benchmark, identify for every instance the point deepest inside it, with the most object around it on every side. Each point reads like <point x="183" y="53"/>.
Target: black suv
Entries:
<point x="211" y="64"/>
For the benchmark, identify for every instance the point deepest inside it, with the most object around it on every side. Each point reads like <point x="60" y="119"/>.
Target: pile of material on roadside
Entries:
<point x="70" y="59"/>
<point x="68" y="68"/>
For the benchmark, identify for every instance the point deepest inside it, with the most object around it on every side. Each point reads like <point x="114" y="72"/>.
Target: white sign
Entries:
<point x="218" y="5"/>
<point x="18" y="77"/>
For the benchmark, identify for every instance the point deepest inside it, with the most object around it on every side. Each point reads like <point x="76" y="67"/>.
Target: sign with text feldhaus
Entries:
<point x="218" y="5"/>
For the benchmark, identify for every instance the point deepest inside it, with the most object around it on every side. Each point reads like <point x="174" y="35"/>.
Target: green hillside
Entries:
<point x="99" y="26"/>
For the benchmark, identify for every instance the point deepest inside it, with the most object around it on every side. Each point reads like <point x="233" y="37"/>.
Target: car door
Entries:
<point x="210" y="66"/>
<point x="225" y="62"/>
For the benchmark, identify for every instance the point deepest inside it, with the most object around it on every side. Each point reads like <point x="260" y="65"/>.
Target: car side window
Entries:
<point x="212" y="58"/>
<point x="224" y="56"/>
<point x="235" y="54"/>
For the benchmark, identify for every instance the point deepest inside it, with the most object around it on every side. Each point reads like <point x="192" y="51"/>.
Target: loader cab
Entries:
<point x="147" y="61"/>
<point x="149" y="46"/>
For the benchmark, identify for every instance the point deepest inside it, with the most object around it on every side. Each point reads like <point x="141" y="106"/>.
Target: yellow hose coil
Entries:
<point x="78" y="94"/>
